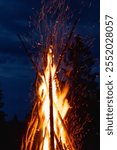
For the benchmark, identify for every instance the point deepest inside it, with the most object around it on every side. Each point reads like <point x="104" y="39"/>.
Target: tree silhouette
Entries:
<point x="2" y="114"/>
<point x="10" y="131"/>
<point x="84" y="116"/>
<point x="2" y="122"/>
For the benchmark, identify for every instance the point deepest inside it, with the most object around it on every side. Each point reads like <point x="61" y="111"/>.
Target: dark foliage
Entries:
<point x="2" y="114"/>
<point x="84" y="95"/>
<point x="10" y="131"/>
<point x="2" y="120"/>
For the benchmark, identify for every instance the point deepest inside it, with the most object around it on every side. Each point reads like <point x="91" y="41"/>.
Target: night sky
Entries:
<point x="16" y="72"/>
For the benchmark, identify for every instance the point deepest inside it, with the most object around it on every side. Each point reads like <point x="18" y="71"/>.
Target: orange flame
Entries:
<point x="60" y="104"/>
<point x="40" y="118"/>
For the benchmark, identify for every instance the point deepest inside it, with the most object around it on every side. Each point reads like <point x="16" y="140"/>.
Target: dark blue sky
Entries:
<point x="16" y="72"/>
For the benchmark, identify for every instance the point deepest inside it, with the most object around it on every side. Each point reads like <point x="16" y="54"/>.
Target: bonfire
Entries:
<point x="48" y="127"/>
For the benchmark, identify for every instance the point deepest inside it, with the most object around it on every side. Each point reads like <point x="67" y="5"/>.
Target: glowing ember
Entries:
<point x="48" y="113"/>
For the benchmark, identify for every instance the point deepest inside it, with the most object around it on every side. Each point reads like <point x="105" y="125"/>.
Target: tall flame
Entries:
<point x="48" y="113"/>
<point x="60" y="104"/>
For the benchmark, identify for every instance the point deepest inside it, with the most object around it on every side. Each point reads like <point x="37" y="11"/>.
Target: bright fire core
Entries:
<point x="60" y="105"/>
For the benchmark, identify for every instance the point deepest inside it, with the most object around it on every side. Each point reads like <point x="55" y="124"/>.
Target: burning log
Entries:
<point x="65" y="129"/>
<point x="66" y="46"/>
<point x="51" y="108"/>
<point x="28" y="53"/>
